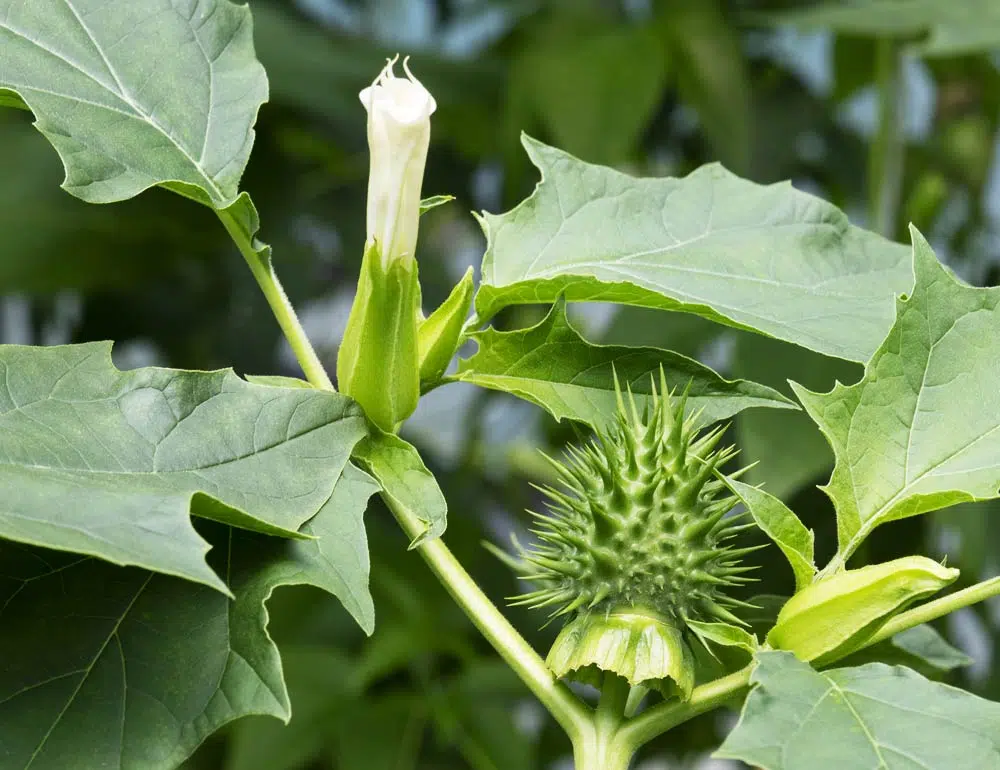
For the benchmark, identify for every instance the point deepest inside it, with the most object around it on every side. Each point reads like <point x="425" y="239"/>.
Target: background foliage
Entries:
<point x="653" y="87"/>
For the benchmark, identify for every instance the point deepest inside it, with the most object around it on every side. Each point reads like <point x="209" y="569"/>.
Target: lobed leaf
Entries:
<point x="145" y="666"/>
<point x="137" y="94"/>
<point x="875" y="716"/>
<point x="921" y="430"/>
<point x="552" y="366"/>
<point x="765" y="258"/>
<point x="111" y="464"/>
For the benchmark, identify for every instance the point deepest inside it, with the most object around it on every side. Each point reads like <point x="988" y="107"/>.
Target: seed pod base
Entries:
<point x="641" y="647"/>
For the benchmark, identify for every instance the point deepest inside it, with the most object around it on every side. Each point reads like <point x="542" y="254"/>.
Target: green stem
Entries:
<point x="574" y="717"/>
<point x="602" y="747"/>
<point x="282" y="308"/>
<point x="602" y="751"/>
<point x="614" y="697"/>
<point x="886" y="156"/>
<point x="657" y="720"/>
<point x="936" y="609"/>
<point x="665" y="716"/>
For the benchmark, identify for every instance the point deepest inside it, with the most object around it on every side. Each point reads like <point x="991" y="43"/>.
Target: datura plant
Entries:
<point x="148" y="515"/>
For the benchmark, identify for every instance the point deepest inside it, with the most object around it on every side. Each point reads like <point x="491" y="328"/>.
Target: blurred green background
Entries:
<point x="892" y="111"/>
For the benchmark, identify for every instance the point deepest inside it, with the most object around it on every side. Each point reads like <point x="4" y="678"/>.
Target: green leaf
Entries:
<point x="781" y="525"/>
<point x="921" y="430"/>
<point x="552" y="366"/>
<point x="138" y="94"/>
<point x="406" y="483"/>
<point x="10" y="99"/>
<point x="929" y="646"/>
<point x="111" y="464"/>
<point x="920" y="648"/>
<point x="336" y="559"/>
<point x="769" y="259"/>
<point x="145" y="666"/>
<point x="950" y="29"/>
<point x="875" y="716"/>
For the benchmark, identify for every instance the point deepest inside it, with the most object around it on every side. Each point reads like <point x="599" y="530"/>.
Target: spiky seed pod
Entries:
<point x="639" y="529"/>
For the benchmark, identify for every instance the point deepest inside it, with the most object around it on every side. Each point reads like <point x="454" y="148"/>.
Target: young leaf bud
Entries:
<point x="834" y="616"/>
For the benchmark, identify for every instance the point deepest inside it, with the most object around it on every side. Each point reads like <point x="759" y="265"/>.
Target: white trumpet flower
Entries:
<point x="399" y="133"/>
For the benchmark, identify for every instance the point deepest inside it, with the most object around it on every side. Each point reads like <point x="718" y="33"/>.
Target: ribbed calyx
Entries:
<point x="639" y="526"/>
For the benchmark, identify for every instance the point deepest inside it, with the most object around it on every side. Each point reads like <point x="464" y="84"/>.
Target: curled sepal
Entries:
<point x="378" y="363"/>
<point x="437" y="335"/>
<point x="836" y="615"/>
<point x="642" y="647"/>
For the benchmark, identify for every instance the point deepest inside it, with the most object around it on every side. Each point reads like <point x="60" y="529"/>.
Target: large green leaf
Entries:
<point x="921" y="430"/>
<point x="109" y="666"/>
<point x="952" y="28"/>
<point x="138" y="94"/>
<point x="770" y="259"/>
<point x="111" y="464"/>
<point x="875" y="716"/>
<point x="551" y="365"/>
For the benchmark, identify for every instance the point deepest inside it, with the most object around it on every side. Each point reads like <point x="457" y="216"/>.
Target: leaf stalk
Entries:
<point x="281" y="306"/>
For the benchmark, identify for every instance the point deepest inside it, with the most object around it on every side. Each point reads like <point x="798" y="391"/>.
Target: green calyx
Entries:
<point x="378" y="364"/>
<point x="640" y="647"/>
<point x="640" y="526"/>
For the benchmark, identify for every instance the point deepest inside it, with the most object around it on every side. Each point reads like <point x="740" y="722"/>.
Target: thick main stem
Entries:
<point x="602" y="748"/>
<point x="602" y="751"/>
<point x="280" y="305"/>
<point x="885" y="160"/>
<point x="574" y="717"/>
